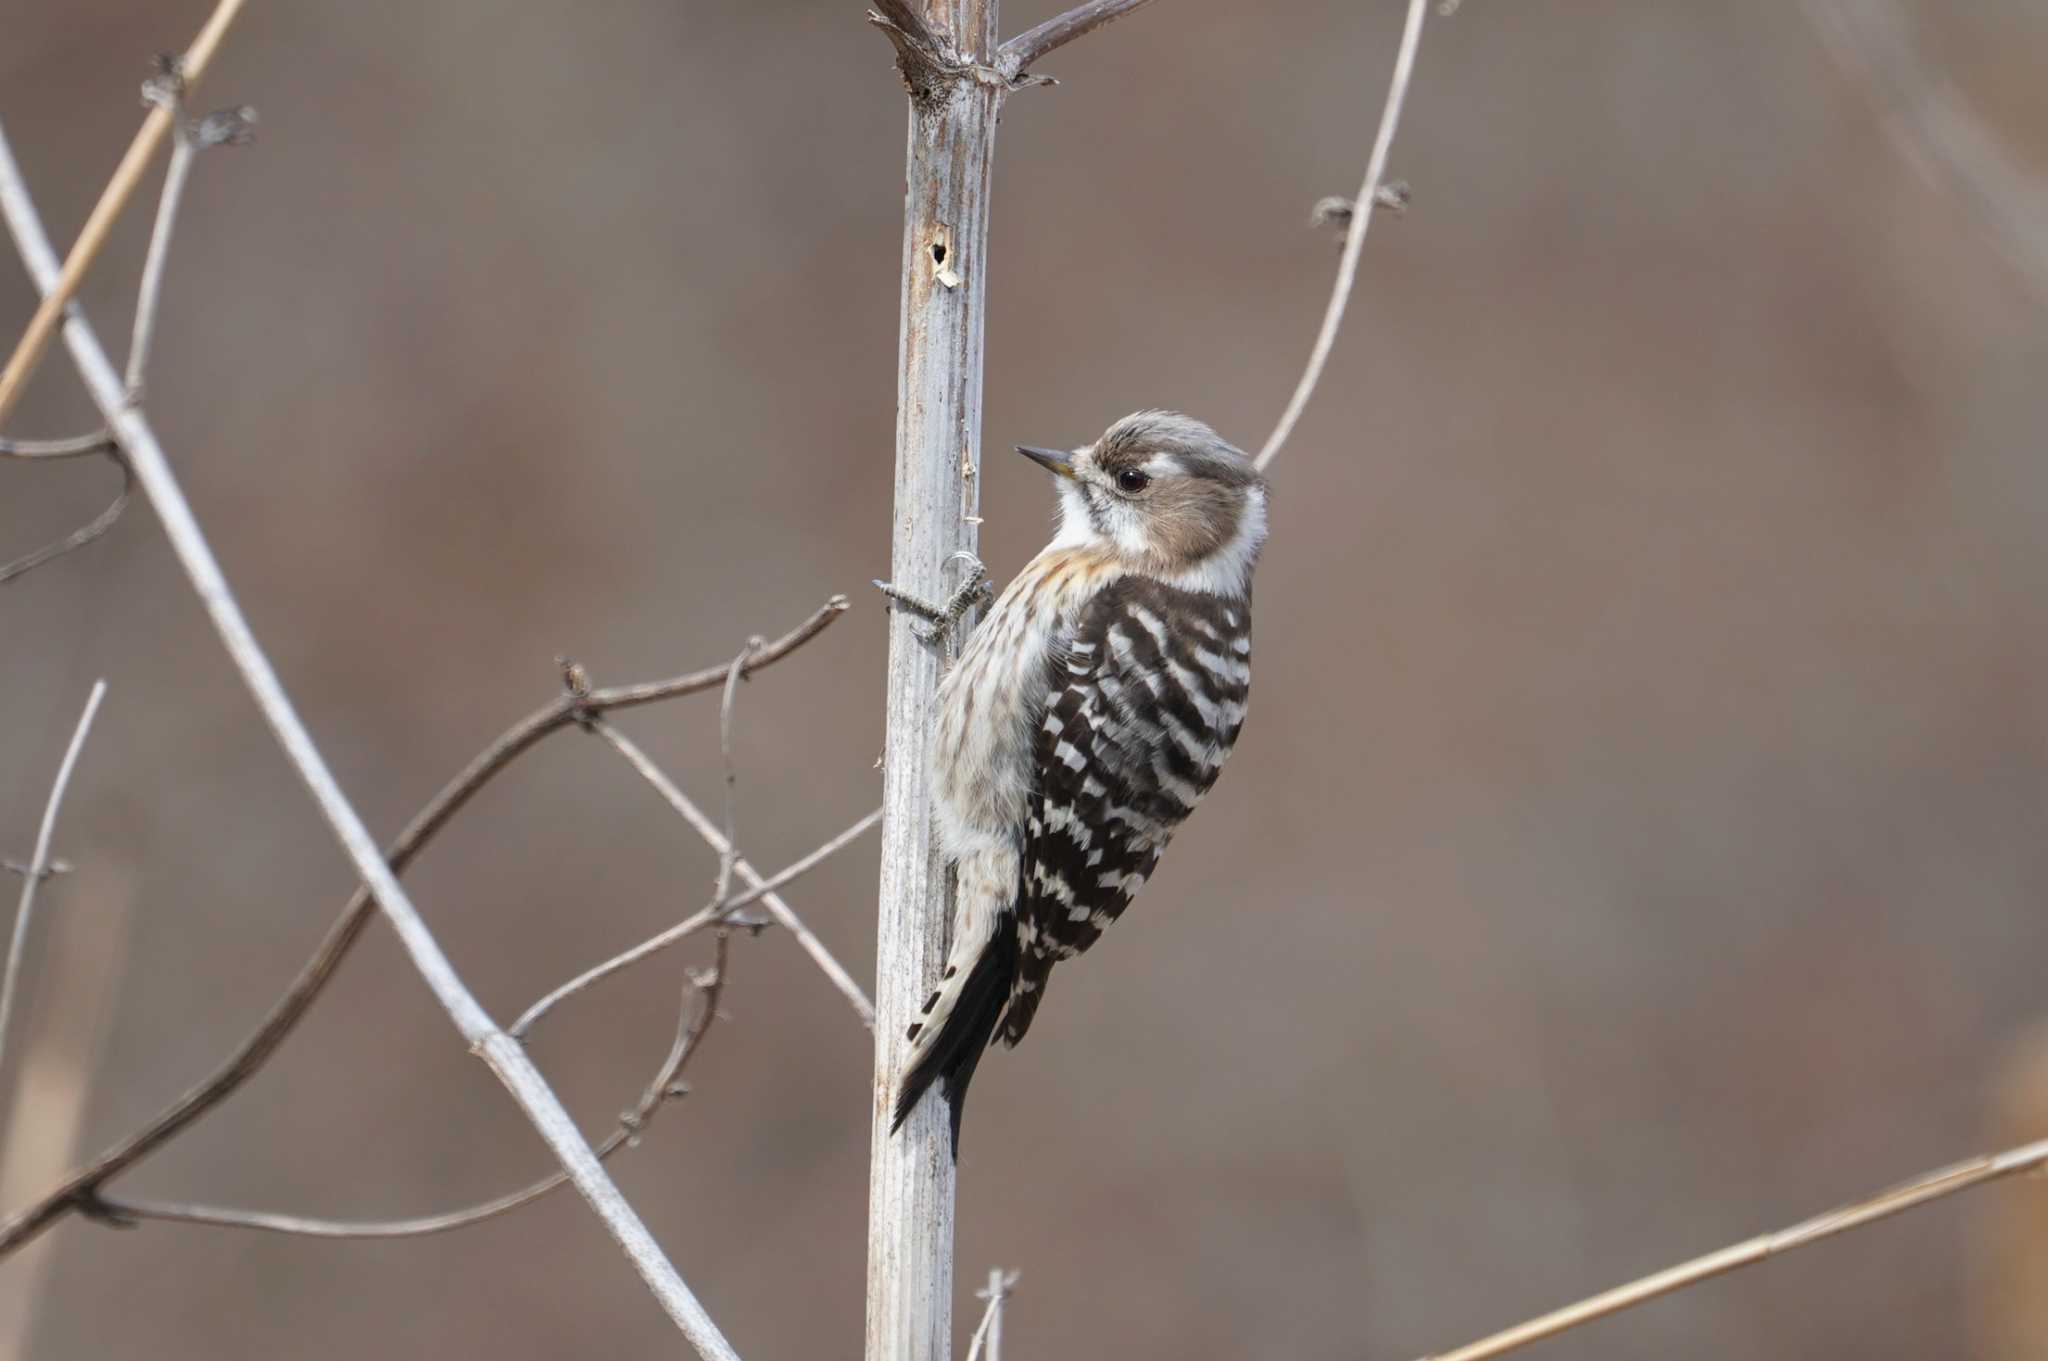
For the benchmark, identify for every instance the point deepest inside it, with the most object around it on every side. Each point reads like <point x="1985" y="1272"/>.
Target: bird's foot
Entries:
<point x="944" y="619"/>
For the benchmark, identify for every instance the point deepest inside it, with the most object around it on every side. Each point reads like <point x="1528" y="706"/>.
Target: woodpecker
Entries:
<point x="1084" y="720"/>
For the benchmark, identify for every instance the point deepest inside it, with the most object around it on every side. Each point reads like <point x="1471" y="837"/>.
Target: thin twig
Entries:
<point x="1017" y="55"/>
<point x="77" y="446"/>
<point x="723" y="884"/>
<point x="661" y="1089"/>
<point x="85" y="533"/>
<point x="1347" y="270"/>
<point x="248" y="1058"/>
<point x="42" y="327"/>
<point x="987" y="1342"/>
<point x="229" y="126"/>
<point x="710" y="985"/>
<point x="717" y="911"/>
<point x="1934" y="1185"/>
<point x="502" y="1054"/>
<point x="763" y="889"/>
<point x="39" y="861"/>
<point x="175" y="175"/>
<point x="164" y="91"/>
<point x="224" y="127"/>
<point x="784" y="914"/>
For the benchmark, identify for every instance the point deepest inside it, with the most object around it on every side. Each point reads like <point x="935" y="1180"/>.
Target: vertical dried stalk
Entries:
<point x="938" y="450"/>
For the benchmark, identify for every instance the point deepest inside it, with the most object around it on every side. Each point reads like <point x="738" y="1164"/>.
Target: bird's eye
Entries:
<point x="1133" y="481"/>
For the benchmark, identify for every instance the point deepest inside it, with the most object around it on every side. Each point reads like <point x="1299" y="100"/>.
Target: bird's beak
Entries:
<point x="1058" y="462"/>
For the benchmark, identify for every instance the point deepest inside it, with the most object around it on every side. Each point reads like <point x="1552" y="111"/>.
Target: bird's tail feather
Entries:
<point x="957" y="1027"/>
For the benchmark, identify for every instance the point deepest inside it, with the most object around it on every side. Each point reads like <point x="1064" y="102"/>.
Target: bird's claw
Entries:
<point x="944" y="619"/>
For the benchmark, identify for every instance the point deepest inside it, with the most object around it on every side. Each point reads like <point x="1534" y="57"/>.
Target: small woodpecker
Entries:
<point x="1084" y="720"/>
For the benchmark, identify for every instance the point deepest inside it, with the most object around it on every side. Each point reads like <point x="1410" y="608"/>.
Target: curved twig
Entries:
<point x="77" y="446"/>
<point x="722" y="886"/>
<point x="92" y="237"/>
<point x="718" y="910"/>
<point x="91" y="529"/>
<point x="1354" y="241"/>
<point x="784" y="914"/>
<point x="166" y="92"/>
<point x="39" y="861"/>
<point x="691" y="1029"/>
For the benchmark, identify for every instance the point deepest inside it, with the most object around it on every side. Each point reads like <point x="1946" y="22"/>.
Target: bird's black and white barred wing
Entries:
<point x="1147" y="696"/>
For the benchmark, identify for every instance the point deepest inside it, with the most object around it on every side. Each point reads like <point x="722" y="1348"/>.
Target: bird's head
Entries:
<point x="1168" y="496"/>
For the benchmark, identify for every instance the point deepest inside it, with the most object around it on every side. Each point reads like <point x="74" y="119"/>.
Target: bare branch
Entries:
<point x="42" y="327"/>
<point x="125" y="1213"/>
<point x="229" y="126"/>
<point x="1016" y="56"/>
<point x="762" y="890"/>
<point x="151" y="294"/>
<point x="78" y="446"/>
<point x="79" y="1190"/>
<point x="692" y="1026"/>
<point x="723" y="884"/>
<point x="1905" y="1196"/>
<point x="987" y="1342"/>
<point x="82" y="1186"/>
<point x="717" y="911"/>
<point x="39" y="860"/>
<point x="1347" y="271"/>
<point x="224" y="127"/>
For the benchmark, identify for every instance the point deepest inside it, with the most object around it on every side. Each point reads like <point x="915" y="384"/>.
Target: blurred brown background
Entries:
<point x="1636" y="842"/>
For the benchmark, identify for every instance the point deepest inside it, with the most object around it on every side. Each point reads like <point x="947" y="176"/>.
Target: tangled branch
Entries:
<point x="81" y="1190"/>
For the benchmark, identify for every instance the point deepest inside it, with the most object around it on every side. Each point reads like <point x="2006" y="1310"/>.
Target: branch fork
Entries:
<point x="930" y="64"/>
